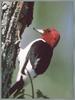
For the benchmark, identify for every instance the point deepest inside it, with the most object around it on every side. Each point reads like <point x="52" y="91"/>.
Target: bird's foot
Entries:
<point x="17" y="41"/>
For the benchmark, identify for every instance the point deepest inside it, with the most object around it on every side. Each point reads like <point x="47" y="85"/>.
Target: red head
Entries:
<point x="51" y="36"/>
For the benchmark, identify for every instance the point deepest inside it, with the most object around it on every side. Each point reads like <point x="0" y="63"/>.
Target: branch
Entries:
<point x="8" y="38"/>
<point x="31" y="84"/>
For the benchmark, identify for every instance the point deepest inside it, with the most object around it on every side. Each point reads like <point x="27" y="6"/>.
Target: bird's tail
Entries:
<point x="16" y="87"/>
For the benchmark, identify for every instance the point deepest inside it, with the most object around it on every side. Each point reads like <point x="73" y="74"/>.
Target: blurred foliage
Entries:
<point x="22" y="95"/>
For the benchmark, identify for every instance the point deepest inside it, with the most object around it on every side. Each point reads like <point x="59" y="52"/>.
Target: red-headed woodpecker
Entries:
<point x="36" y="57"/>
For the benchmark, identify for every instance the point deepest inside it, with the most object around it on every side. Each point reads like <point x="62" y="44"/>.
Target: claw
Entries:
<point x="17" y="41"/>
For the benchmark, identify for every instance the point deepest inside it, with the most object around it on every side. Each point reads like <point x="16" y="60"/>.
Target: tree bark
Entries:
<point x="13" y="13"/>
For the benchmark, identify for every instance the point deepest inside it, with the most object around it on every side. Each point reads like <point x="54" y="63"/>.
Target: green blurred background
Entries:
<point x="57" y="81"/>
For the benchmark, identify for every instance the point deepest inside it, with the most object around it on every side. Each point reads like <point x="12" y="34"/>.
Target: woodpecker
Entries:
<point x="36" y="57"/>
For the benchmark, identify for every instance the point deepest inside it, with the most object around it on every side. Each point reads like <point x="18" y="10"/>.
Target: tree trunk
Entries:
<point x="12" y="13"/>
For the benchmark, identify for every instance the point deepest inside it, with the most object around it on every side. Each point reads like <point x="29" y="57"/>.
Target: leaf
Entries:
<point x="40" y="94"/>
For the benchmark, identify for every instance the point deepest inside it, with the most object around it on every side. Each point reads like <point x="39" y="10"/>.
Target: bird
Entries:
<point x="35" y="58"/>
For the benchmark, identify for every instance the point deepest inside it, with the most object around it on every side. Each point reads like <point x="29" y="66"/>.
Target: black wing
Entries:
<point x="40" y="56"/>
